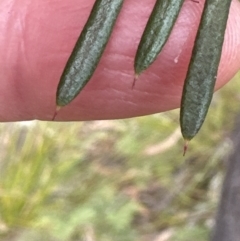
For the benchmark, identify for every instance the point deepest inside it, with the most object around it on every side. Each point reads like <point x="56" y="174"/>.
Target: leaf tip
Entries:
<point x="185" y="147"/>
<point x="134" y="80"/>
<point x="56" y="112"/>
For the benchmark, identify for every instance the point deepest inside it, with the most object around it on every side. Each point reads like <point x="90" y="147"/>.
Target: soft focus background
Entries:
<point x="121" y="180"/>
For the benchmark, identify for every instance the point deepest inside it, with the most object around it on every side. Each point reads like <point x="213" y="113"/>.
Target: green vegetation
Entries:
<point x="122" y="180"/>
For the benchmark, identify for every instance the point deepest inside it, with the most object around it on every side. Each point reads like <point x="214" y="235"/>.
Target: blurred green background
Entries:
<point x="121" y="180"/>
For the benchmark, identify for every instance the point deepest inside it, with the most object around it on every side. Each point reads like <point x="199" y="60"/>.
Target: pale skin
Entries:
<point x="37" y="38"/>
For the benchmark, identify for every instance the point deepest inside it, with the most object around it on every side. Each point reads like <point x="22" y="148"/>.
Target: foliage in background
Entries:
<point x="121" y="180"/>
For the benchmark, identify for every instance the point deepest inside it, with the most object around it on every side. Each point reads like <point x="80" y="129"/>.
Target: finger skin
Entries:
<point x="37" y="38"/>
